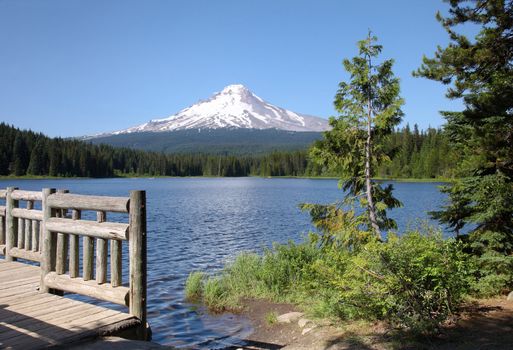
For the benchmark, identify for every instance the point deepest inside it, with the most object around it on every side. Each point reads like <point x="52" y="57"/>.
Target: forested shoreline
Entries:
<point x="416" y="154"/>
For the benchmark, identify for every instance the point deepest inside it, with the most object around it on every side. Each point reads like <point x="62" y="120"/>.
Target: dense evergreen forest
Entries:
<point x="418" y="154"/>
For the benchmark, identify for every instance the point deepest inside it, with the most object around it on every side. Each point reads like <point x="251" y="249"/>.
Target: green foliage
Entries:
<point x="337" y="227"/>
<point x="215" y="295"/>
<point x="493" y="269"/>
<point x="479" y="70"/>
<point x="194" y="285"/>
<point x="271" y="318"/>
<point x="415" y="281"/>
<point x="279" y="275"/>
<point x="369" y="110"/>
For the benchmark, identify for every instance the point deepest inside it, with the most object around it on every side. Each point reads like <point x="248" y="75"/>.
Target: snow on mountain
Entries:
<point x="234" y="107"/>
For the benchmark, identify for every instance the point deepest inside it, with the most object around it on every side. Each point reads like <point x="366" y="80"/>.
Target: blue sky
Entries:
<point x="73" y="67"/>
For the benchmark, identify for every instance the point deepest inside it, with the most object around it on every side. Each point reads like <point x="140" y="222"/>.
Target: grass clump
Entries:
<point x="194" y="286"/>
<point x="271" y="318"/>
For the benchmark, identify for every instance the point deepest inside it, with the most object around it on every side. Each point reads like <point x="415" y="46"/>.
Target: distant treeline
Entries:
<point x="417" y="154"/>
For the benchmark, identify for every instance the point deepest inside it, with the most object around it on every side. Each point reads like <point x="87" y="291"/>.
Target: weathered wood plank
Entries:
<point x="14" y="274"/>
<point x="74" y="248"/>
<point x="28" y="228"/>
<point x="27" y="195"/>
<point x="137" y="257"/>
<point x="48" y="248"/>
<point x="25" y="254"/>
<point x="24" y="313"/>
<point x="27" y="214"/>
<point x="21" y="232"/>
<point x="18" y="283"/>
<point x="83" y="202"/>
<point x="116" y="267"/>
<point x="36" y="327"/>
<point x="62" y="253"/>
<point x="2" y="210"/>
<point x="11" y="225"/>
<point x="105" y="230"/>
<point x="101" y="252"/>
<point x="88" y="256"/>
<point x="117" y="295"/>
<point x="35" y="235"/>
<point x="70" y="332"/>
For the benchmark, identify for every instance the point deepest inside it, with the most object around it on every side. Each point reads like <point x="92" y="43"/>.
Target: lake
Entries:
<point x="201" y="223"/>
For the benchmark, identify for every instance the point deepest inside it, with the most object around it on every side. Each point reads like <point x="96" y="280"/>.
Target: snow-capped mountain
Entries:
<point x="235" y="107"/>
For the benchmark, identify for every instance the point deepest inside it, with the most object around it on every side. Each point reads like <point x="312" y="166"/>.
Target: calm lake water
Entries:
<point x="201" y="223"/>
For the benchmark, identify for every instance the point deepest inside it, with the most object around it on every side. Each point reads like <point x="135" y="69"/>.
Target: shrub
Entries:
<point x="493" y="260"/>
<point x="415" y="281"/>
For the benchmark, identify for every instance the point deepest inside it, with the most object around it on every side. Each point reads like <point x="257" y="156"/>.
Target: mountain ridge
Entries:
<point x="235" y="107"/>
<point x="214" y="141"/>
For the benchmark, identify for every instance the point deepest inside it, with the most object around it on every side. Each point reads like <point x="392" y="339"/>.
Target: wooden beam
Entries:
<point x="11" y="224"/>
<point x="137" y="256"/>
<point x="28" y="227"/>
<point x="27" y="195"/>
<point x="105" y="230"/>
<point x="101" y="252"/>
<point x="116" y="251"/>
<point x="25" y="254"/>
<point x="74" y="247"/>
<point x="82" y="202"/>
<point x="27" y="214"/>
<point x="48" y="249"/>
<point x="117" y="295"/>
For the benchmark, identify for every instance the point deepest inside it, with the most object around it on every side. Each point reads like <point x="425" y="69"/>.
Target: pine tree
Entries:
<point x="20" y="157"/>
<point x="369" y="109"/>
<point x="480" y="71"/>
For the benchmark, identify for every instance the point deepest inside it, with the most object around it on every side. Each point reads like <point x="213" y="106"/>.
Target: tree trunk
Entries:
<point x="368" y="182"/>
<point x="368" y="156"/>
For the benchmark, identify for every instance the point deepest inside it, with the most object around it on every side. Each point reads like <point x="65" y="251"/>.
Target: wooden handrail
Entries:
<point x="62" y="226"/>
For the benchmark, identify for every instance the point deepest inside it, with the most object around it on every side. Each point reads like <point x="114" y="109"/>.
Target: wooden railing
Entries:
<point x="3" y="194"/>
<point x="22" y="225"/>
<point x="54" y="234"/>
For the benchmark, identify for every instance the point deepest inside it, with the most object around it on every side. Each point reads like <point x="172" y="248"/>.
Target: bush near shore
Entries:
<point x="415" y="281"/>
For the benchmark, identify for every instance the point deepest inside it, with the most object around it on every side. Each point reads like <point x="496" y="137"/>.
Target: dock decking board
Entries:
<point x="33" y="320"/>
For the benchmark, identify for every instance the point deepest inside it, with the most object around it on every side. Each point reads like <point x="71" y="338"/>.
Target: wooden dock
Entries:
<point x="34" y="313"/>
<point x="33" y="320"/>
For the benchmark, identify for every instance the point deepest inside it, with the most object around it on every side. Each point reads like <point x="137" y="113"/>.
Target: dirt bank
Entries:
<point x="485" y="324"/>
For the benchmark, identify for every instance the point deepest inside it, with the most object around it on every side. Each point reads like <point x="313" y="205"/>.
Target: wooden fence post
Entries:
<point x="11" y="223"/>
<point x="48" y="248"/>
<point x="61" y="242"/>
<point x="137" y="256"/>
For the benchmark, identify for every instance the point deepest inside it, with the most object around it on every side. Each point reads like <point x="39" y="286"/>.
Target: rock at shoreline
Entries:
<point x="289" y="317"/>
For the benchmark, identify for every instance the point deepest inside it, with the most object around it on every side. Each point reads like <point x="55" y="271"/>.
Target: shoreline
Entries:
<point x="40" y="177"/>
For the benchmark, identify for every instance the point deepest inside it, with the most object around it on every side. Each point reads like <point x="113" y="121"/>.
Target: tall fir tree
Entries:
<point x="480" y="71"/>
<point x="369" y="109"/>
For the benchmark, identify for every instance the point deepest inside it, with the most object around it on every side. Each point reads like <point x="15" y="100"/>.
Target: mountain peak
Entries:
<point x="233" y="108"/>
<point x="235" y="88"/>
